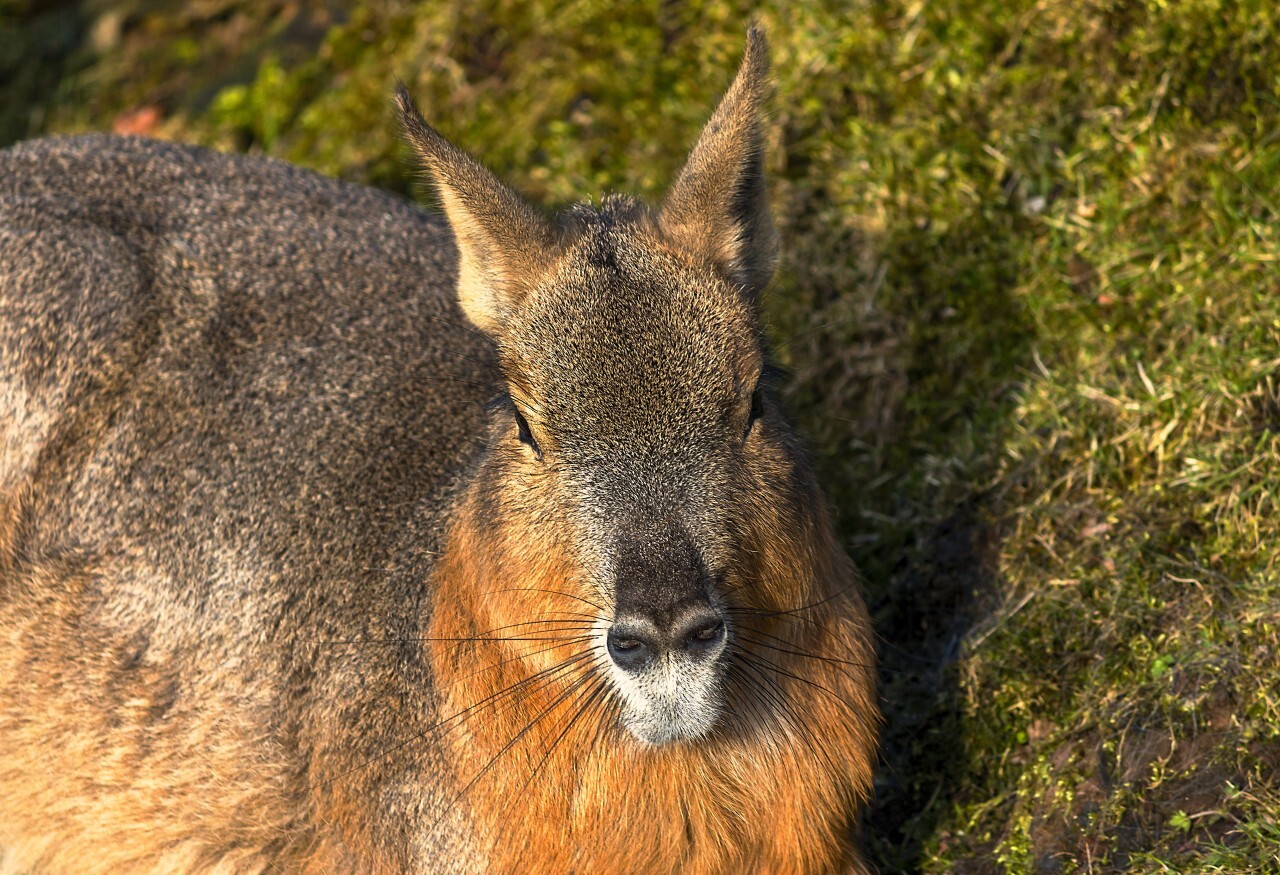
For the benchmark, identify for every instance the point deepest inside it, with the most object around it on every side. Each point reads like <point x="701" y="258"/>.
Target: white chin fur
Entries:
<point x="672" y="700"/>
<point x="657" y="727"/>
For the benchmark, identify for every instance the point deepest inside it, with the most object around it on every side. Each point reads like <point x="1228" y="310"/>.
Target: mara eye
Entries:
<point x="526" y="436"/>
<point x="757" y="408"/>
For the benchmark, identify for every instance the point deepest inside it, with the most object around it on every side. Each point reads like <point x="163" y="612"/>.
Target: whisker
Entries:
<point x="785" y="708"/>
<point x="790" y="611"/>
<point x="506" y="747"/>
<point x="747" y="635"/>
<point x="588" y="697"/>
<point x="479" y="637"/>
<point x="603" y="721"/>
<point x="770" y="664"/>
<point x="514" y="658"/>
<point x="435" y="727"/>
<point x="771" y="698"/>
<point x="551" y="675"/>
<point x="751" y="696"/>
<point x="568" y="595"/>
<point x="551" y="617"/>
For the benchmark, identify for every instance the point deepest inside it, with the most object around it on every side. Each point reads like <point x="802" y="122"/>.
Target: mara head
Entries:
<point x="638" y="441"/>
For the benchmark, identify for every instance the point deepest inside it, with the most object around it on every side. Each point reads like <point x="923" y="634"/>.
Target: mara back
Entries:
<point x="341" y="537"/>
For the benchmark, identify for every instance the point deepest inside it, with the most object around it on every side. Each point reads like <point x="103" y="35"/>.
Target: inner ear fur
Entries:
<point x="504" y="244"/>
<point x="718" y="207"/>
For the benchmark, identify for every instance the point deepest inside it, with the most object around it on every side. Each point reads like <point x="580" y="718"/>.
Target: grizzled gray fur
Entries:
<point x="338" y="536"/>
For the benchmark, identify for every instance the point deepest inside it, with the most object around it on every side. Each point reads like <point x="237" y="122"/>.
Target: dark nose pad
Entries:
<point x="634" y="641"/>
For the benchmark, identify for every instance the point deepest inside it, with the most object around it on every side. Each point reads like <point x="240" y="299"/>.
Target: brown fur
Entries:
<point x="757" y="798"/>
<point x="277" y="595"/>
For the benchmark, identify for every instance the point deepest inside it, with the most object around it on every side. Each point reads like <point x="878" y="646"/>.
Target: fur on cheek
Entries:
<point x="551" y="779"/>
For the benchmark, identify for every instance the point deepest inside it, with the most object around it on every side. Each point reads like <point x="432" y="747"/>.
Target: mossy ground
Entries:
<point x="1030" y="297"/>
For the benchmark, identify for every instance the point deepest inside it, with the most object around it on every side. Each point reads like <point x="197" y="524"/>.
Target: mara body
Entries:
<point x="337" y="536"/>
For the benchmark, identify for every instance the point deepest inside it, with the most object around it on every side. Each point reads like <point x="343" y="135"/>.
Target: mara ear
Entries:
<point x="504" y="245"/>
<point x="718" y="207"/>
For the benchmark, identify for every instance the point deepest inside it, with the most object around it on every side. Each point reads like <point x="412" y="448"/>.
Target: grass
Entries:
<point x="1030" y="297"/>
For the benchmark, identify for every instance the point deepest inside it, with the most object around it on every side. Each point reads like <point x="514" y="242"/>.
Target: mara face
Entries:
<point x="636" y="418"/>
<point x="643" y="629"/>
<point x="640" y="487"/>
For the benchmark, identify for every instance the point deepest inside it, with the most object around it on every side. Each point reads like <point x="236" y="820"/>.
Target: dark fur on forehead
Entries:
<point x="594" y="226"/>
<point x="614" y="211"/>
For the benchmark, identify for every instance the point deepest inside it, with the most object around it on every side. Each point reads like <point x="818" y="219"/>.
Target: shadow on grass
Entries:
<point x="970" y="342"/>
<point x="910" y="449"/>
<point x="926" y="750"/>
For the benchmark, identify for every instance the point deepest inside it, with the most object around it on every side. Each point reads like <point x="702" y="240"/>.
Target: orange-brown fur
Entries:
<point x="769" y="797"/>
<point x="90" y="752"/>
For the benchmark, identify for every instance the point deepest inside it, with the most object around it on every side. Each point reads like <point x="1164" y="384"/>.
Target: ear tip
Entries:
<point x="755" y="60"/>
<point x="406" y="107"/>
<point x="416" y="130"/>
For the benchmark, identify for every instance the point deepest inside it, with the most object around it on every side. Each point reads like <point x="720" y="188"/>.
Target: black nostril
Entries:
<point x="709" y="632"/>
<point x="629" y="649"/>
<point x="703" y="638"/>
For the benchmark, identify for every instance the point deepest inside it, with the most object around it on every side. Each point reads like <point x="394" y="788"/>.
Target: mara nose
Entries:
<point x="635" y="640"/>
